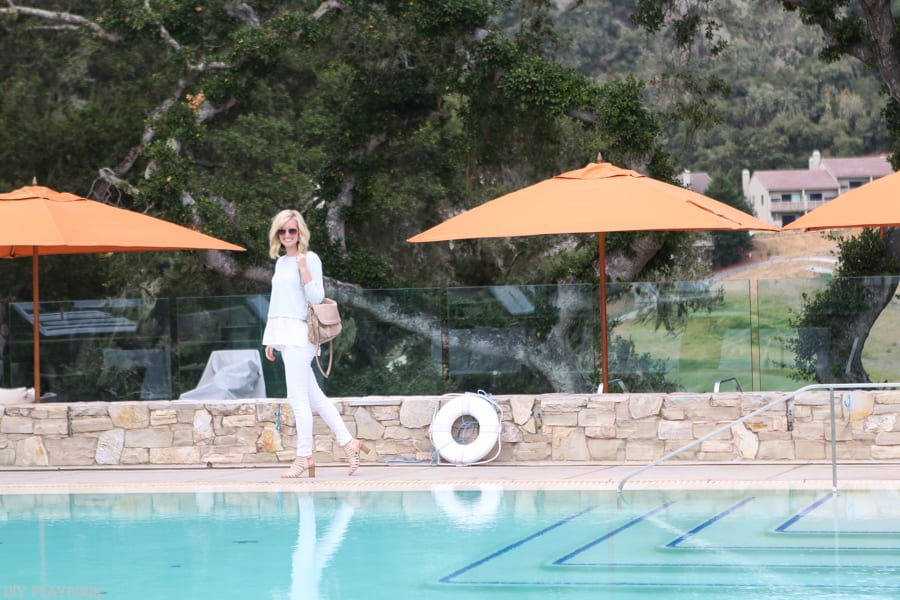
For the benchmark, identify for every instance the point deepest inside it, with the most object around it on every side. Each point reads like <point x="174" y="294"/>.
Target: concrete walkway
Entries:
<point x="425" y="476"/>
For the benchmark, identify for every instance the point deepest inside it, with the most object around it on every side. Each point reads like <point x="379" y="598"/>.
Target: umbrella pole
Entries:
<point x="35" y="311"/>
<point x="604" y="341"/>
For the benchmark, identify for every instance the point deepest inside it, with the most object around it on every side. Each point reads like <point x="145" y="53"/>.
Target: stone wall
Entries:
<point x="549" y="427"/>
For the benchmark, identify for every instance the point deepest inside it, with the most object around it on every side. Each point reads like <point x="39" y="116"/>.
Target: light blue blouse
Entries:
<point x="286" y="323"/>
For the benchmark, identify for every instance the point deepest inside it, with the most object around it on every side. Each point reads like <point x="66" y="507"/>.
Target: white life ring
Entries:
<point x="479" y="408"/>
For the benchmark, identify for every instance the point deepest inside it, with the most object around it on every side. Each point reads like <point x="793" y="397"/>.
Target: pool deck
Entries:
<point x="399" y="477"/>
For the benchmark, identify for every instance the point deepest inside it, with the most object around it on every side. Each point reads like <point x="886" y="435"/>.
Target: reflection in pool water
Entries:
<point x="453" y="544"/>
<point x="311" y="553"/>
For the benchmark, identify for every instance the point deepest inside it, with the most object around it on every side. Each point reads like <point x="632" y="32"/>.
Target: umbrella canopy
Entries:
<point x="599" y="198"/>
<point x="36" y="220"/>
<point x="871" y="205"/>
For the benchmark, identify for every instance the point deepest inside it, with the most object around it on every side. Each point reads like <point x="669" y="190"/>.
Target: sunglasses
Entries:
<point x="291" y="231"/>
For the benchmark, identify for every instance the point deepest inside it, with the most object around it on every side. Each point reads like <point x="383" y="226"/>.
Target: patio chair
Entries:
<point x="230" y="374"/>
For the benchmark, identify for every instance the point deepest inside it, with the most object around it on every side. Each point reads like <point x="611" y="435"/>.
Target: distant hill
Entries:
<point x="785" y="102"/>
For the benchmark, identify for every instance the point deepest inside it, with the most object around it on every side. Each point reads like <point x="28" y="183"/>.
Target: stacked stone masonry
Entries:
<point x="551" y="427"/>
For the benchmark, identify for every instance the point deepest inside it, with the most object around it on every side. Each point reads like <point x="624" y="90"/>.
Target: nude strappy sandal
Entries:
<point x="301" y="465"/>
<point x="352" y="450"/>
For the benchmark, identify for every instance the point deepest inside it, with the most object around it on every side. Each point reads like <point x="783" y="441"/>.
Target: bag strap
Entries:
<point x="311" y="320"/>
<point x="326" y="372"/>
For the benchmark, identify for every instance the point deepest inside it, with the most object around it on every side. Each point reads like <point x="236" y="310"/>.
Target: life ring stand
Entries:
<point x="481" y="407"/>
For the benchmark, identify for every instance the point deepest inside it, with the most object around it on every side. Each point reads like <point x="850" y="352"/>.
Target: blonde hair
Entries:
<point x="278" y="222"/>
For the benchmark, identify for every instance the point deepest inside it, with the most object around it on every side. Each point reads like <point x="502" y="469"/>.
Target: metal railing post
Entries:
<point x="833" y="445"/>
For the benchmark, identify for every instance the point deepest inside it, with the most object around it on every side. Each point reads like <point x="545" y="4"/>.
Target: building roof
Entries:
<point x="863" y="166"/>
<point x="796" y="179"/>
<point x="696" y="182"/>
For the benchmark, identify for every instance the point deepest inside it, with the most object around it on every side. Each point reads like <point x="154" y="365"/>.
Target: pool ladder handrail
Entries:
<point x="612" y="381"/>
<point x="718" y="384"/>
<point x="814" y="387"/>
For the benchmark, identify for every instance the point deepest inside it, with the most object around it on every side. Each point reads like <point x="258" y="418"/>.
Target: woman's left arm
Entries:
<point x="315" y="287"/>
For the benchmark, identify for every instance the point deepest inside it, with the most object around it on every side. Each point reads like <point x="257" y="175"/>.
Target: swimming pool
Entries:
<point x="446" y="544"/>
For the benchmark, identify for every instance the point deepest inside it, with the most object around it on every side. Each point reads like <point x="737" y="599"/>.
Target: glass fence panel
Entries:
<point x="522" y="339"/>
<point x="881" y="351"/>
<point x="670" y="336"/>
<point x="113" y="349"/>
<point x="802" y="330"/>
<point x="779" y="302"/>
<point x="390" y="343"/>
<point x="220" y="337"/>
<point x="680" y="336"/>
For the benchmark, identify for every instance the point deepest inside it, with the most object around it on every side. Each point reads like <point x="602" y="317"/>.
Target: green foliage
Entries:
<point x="849" y="28"/>
<point x="568" y="264"/>
<point x="630" y="130"/>
<point x="364" y="266"/>
<point x="650" y="15"/>
<point x="865" y="254"/>
<point x="519" y="98"/>
<point x="538" y="85"/>
<point x="446" y="17"/>
<point x="892" y="117"/>
<point x="66" y="107"/>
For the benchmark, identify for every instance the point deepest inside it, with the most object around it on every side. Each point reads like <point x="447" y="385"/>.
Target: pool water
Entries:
<point x="446" y="544"/>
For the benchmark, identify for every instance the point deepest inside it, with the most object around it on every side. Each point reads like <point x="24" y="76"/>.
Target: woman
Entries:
<point x="298" y="278"/>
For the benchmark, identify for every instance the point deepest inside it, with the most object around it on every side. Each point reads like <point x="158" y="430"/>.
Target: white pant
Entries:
<point x="305" y="395"/>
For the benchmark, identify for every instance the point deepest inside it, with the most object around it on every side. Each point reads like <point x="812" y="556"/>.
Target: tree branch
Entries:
<point x="552" y="357"/>
<point x="625" y="265"/>
<point x="243" y="12"/>
<point x="163" y="32"/>
<point x="325" y="8"/>
<point x="334" y="223"/>
<point x="884" y="34"/>
<point x="878" y="50"/>
<point x="73" y="20"/>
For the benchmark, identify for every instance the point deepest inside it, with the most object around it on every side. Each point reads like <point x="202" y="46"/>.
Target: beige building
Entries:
<point x="780" y="196"/>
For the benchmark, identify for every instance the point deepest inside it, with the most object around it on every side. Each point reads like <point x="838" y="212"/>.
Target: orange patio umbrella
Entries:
<point x="36" y="220"/>
<point x="599" y="198"/>
<point x="875" y="204"/>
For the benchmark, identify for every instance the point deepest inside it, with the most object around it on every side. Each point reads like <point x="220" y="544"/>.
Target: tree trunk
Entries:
<point x="883" y="28"/>
<point x="842" y="362"/>
<point x="624" y="266"/>
<point x="880" y="50"/>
